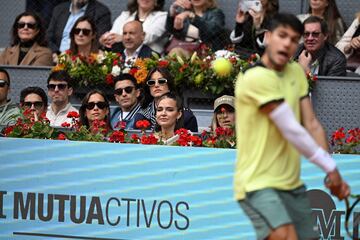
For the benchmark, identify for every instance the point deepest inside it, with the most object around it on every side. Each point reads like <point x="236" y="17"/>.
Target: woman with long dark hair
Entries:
<point x="94" y="108"/>
<point x="83" y="37"/>
<point x="28" y="45"/>
<point x="158" y="82"/>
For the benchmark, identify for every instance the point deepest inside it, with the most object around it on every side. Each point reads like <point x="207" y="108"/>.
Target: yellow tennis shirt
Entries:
<point x="265" y="159"/>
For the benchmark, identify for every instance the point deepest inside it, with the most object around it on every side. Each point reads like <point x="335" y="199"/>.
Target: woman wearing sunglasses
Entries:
<point x="83" y="37"/>
<point x="169" y="117"/>
<point x="95" y="106"/>
<point x="28" y="45"/>
<point x="158" y="82"/>
<point x="34" y="101"/>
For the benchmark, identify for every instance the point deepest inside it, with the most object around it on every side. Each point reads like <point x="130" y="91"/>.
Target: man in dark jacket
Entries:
<point x="133" y="40"/>
<point x="316" y="54"/>
<point x="65" y="15"/>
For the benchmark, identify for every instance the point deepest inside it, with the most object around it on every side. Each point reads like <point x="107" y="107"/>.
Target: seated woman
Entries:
<point x="349" y="44"/>
<point x="29" y="46"/>
<point x="150" y="13"/>
<point x="327" y="10"/>
<point x="83" y="37"/>
<point x="95" y="109"/>
<point x="169" y="117"/>
<point x="224" y="112"/>
<point x="33" y="100"/>
<point x="250" y="28"/>
<point x="158" y="82"/>
<point x="199" y="20"/>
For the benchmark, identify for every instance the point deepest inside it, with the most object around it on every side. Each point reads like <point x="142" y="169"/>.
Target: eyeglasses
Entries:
<point x="85" y="31"/>
<point x="314" y="34"/>
<point x="101" y="105"/>
<point x="3" y="83"/>
<point x="21" y="25"/>
<point x="120" y="91"/>
<point x="37" y="104"/>
<point x="60" y="86"/>
<point x="160" y="81"/>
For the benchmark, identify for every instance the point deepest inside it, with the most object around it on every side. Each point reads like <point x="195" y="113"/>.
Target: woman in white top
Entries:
<point x="147" y="12"/>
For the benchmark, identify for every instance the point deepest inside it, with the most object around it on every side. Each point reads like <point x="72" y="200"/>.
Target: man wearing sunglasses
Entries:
<point x="9" y="112"/>
<point x="316" y="54"/>
<point x="126" y="93"/>
<point x="64" y="17"/>
<point x="59" y="91"/>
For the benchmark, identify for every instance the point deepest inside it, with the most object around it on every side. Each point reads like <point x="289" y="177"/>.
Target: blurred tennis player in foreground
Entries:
<point x="275" y="122"/>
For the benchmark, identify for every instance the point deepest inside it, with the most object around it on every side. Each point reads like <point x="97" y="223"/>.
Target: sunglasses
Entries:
<point x="101" y="105"/>
<point x="3" y="83"/>
<point x="21" y="25"/>
<point x="120" y="91"/>
<point x="85" y="31"/>
<point x="60" y="86"/>
<point x="37" y="104"/>
<point x="160" y="81"/>
<point x="314" y="34"/>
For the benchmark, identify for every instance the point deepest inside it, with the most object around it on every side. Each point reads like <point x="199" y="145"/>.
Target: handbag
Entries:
<point x="353" y="62"/>
<point x="174" y="42"/>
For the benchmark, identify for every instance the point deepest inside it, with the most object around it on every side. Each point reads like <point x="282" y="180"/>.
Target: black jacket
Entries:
<point x="96" y="10"/>
<point x="332" y="62"/>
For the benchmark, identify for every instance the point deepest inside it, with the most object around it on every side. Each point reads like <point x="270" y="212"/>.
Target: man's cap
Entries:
<point x="224" y="100"/>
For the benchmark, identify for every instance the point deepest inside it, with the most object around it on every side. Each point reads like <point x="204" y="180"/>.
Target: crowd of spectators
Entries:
<point x="84" y="27"/>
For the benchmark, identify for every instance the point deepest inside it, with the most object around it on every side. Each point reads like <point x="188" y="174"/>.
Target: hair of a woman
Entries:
<point x="40" y="37"/>
<point x="133" y="6"/>
<point x="82" y="111"/>
<point x="94" y="42"/>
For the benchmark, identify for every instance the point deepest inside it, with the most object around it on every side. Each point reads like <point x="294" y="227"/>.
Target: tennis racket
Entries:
<point x="349" y="211"/>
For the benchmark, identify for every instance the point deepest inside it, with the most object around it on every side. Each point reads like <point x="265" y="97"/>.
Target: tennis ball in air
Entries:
<point x="222" y="67"/>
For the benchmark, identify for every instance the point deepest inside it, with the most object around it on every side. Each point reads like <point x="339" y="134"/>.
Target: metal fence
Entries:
<point x="10" y="9"/>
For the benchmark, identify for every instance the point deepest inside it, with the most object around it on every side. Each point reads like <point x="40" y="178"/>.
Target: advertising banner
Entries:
<point x="83" y="190"/>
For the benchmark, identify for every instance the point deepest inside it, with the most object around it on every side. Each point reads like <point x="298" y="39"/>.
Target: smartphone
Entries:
<point x="246" y="5"/>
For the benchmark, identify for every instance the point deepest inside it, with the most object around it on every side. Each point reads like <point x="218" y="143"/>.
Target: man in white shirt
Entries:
<point x="59" y="91"/>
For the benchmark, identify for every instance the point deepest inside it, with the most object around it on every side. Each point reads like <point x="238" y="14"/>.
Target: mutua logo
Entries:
<point x="328" y="218"/>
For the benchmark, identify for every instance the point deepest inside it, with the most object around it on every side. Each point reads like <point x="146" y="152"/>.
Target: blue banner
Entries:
<point x="83" y="190"/>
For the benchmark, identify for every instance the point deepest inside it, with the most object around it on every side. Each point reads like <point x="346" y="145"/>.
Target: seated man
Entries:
<point x="33" y="101"/>
<point x="133" y="40"/>
<point x="64" y="17"/>
<point x="9" y="112"/>
<point x="126" y="94"/>
<point x="316" y="54"/>
<point x="59" y="91"/>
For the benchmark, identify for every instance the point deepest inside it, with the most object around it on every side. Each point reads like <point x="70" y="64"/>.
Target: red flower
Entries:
<point x="133" y="71"/>
<point x="196" y="140"/>
<point x="121" y="125"/>
<point x="183" y="67"/>
<point x="73" y="58"/>
<point x="145" y="140"/>
<point x="61" y="136"/>
<point x="109" y="79"/>
<point x="8" y="130"/>
<point x="68" y="52"/>
<point x="315" y="78"/>
<point x="151" y="139"/>
<point x="73" y="114"/>
<point x="351" y="139"/>
<point x="338" y="134"/>
<point x="115" y="62"/>
<point x="135" y="137"/>
<point x="65" y="124"/>
<point x="142" y="124"/>
<point x="117" y="136"/>
<point x="163" y="63"/>
<point x="182" y="131"/>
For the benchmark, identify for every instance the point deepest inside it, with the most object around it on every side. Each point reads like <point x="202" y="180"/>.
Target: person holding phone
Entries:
<point x="251" y="25"/>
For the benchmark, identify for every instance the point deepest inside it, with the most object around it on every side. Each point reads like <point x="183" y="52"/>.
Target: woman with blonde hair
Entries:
<point x="224" y="113"/>
<point x="349" y="44"/>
